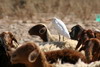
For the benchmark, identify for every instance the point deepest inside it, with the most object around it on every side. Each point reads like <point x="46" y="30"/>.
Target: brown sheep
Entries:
<point x="40" y="30"/>
<point x="65" y="55"/>
<point x="77" y="29"/>
<point x="83" y="37"/>
<point x="30" y="55"/>
<point x="8" y="37"/>
<point x="92" y="49"/>
<point x="97" y="34"/>
<point x="5" y="56"/>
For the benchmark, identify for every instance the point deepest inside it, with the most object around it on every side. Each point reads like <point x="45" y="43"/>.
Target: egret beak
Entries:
<point x="49" y="19"/>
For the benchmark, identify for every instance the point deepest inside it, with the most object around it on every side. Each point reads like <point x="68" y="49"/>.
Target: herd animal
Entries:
<point x="6" y="46"/>
<point x="88" y="40"/>
<point x="29" y="54"/>
<point x="42" y="31"/>
<point x="33" y="56"/>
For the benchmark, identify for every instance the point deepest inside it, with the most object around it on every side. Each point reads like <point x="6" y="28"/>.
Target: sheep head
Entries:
<point x="75" y="32"/>
<point x="25" y="54"/>
<point x="39" y="30"/>
<point x="86" y="34"/>
<point x="83" y="37"/>
<point x="9" y="38"/>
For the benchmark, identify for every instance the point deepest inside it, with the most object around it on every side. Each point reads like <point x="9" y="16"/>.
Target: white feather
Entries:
<point x="60" y="27"/>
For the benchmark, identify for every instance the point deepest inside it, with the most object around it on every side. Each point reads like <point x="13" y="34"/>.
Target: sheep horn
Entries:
<point x="33" y="56"/>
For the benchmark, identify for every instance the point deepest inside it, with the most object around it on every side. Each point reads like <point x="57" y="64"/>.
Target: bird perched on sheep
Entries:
<point x="60" y="27"/>
<point x="30" y="55"/>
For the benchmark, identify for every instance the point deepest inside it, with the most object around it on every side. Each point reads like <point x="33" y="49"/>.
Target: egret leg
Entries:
<point x="59" y="37"/>
<point x="63" y="38"/>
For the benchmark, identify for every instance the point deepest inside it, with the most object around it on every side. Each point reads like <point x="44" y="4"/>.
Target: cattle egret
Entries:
<point x="60" y="27"/>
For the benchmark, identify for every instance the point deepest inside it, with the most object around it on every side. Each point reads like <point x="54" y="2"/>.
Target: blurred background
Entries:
<point x="82" y="9"/>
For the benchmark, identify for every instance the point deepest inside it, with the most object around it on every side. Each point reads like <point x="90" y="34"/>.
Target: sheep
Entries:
<point x="92" y="49"/>
<point x="30" y="55"/>
<point x="9" y="38"/>
<point x="65" y="55"/>
<point x="5" y="56"/>
<point x="90" y="44"/>
<point x="77" y="30"/>
<point x="42" y="31"/>
<point x="97" y="34"/>
<point x="83" y="37"/>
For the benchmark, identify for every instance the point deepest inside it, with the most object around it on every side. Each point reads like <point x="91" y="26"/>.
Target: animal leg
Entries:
<point x="59" y="37"/>
<point x="63" y="38"/>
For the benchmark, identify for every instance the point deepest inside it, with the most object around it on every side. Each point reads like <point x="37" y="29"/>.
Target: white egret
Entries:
<point x="60" y="27"/>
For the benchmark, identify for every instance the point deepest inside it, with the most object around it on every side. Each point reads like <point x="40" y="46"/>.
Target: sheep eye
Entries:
<point x="41" y="31"/>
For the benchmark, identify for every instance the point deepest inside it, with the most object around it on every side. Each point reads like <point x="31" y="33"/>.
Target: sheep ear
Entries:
<point x="2" y="34"/>
<point x="42" y="31"/>
<point x="33" y="56"/>
<point x="13" y="38"/>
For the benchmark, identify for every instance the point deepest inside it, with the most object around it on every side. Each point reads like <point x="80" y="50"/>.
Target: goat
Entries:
<point x="92" y="49"/>
<point x="65" y="55"/>
<point x="30" y="55"/>
<point x="5" y="56"/>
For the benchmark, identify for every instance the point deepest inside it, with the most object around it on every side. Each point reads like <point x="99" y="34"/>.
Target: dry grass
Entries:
<point x="83" y="9"/>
